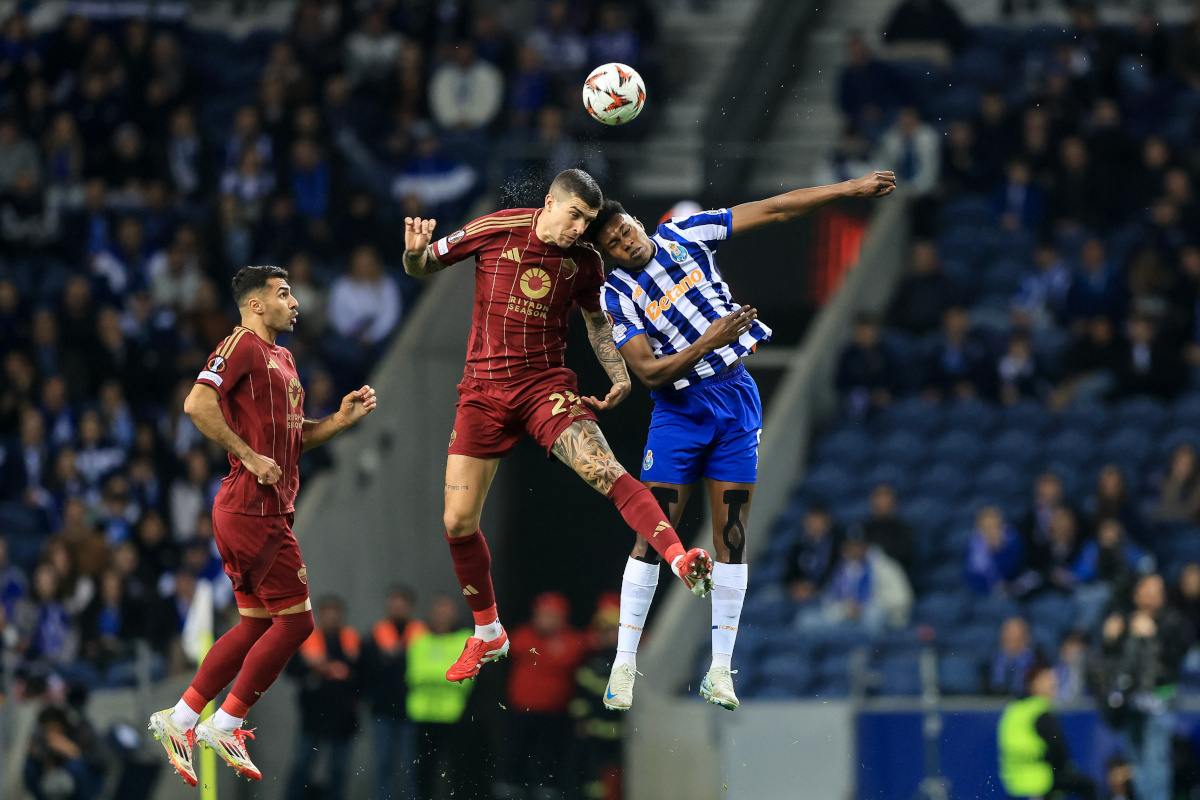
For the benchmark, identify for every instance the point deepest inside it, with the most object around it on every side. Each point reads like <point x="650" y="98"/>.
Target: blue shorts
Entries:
<point x="710" y="429"/>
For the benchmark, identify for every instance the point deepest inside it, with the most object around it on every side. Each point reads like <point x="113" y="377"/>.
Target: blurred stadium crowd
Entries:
<point x="1012" y="478"/>
<point x="141" y="163"/>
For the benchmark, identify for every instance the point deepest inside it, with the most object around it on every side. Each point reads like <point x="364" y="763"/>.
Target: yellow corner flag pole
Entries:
<point x="197" y="641"/>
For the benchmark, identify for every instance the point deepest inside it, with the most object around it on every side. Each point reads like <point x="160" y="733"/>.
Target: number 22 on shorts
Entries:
<point x="561" y="401"/>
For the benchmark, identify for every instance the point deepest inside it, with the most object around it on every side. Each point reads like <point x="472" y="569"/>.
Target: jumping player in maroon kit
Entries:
<point x="530" y="271"/>
<point x="248" y="399"/>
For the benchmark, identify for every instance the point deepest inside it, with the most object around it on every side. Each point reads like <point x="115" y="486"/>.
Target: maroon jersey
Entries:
<point x="263" y="402"/>
<point x="524" y="291"/>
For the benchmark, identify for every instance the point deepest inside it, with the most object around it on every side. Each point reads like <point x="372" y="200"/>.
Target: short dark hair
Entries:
<point x="405" y="591"/>
<point x="580" y="184"/>
<point x="608" y="210"/>
<point x="251" y="279"/>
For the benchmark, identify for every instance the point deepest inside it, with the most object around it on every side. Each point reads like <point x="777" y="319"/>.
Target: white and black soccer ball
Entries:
<point x="614" y="94"/>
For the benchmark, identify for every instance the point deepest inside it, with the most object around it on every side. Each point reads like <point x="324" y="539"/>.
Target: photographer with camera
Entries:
<point x="1142" y="650"/>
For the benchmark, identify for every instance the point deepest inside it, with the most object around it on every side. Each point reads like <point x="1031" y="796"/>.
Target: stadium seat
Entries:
<point x="975" y="415"/>
<point x="1000" y="480"/>
<point x="1024" y="417"/>
<point x="1089" y="417"/>
<point x="900" y="675"/>
<point x="960" y="673"/>
<point x="944" y="480"/>
<point x="1017" y="448"/>
<point x="784" y="673"/>
<point x="1129" y="448"/>
<point x="942" y="610"/>
<point x="848" y="448"/>
<point x="1186" y="410"/>
<point x="901" y="448"/>
<point x="1141" y="413"/>
<point x="1052" y="609"/>
<point x="912" y="415"/>
<point x="828" y="483"/>
<point x="899" y="475"/>
<point x="993" y="610"/>
<point x="971" y="639"/>
<point x="960" y="448"/>
<point x="1071" y="447"/>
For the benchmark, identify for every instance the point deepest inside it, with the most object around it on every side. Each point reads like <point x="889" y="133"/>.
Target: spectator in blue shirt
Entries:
<point x="994" y="553"/>
<point x="1013" y="659"/>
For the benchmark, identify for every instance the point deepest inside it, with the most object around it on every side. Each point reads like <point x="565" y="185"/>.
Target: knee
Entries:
<point x="460" y="523"/>
<point x="299" y="626"/>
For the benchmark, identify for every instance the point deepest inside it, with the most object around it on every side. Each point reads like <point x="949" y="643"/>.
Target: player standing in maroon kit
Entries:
<point x="248" y="399"/>
<point x="530" y="271"/>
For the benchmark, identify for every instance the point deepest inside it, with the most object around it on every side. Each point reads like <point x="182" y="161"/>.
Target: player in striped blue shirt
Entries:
<point x="680" y="332"/>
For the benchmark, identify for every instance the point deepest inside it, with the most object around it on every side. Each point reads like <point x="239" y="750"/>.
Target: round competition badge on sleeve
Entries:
<point x="216" y="364"/>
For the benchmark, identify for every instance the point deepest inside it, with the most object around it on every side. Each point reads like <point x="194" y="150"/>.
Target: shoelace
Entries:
<point x="242" y="734"/>
<point x="190" y="736"/>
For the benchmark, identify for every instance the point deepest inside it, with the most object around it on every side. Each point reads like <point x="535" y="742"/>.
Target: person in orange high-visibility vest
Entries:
<point x="385" y="661"/>
<point x="328" y="670"/>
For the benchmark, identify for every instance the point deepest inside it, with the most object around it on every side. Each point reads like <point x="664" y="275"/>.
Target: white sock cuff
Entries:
<point x="640" y="573"/>
<point x="732" y="576"/>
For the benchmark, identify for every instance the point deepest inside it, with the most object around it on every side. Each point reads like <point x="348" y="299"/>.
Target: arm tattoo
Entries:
<point x="600" y="335"/>
<point x="421" y="263"/>
<point x="582" y="447"/>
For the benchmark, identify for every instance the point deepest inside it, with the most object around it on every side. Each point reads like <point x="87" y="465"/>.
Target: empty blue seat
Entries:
<point x="1176" y="436"/>
<point x="970" y="209"/>
<point x="968" y="640"/>
<point x="900" y="675"/>
<point x="1143" y="413"/>
<point x="1091" y="417"/>
<point x="942" y="610"/>
<point x="1052" y="609"/>
<point x="1186" y="411"/>
<point x="784" y="672"/>
<point x="898" y="475"/>
<point x="993" y="610"/>
<point x="1018" y="448"/>
<point x="943" y="480"/>
<point x="974" y="415"/>
<point x="910" y="414"/>
<point x="848" y="448"/>
<point x="1000" y="481"/>
<point x="1129" y="447"/>
<point x="963" y="448"/>
<point x="901" y="447"/>
<point x="960" y="673"/>
<point x="768" y="611"/>
<point x="1071" y="447"/>
<point x="829" y="482"/>
<point x="1027" y="416"/>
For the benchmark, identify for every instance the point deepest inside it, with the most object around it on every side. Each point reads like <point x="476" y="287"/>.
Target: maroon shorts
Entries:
<point x="491" y="416"/>
<point x="262" y="559"/>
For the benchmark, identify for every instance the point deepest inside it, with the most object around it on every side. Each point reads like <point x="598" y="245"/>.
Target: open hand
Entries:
<point x="358" y="404"/>
<point x="873" y="184"/>
<point x="418" y="232"/>
<point x="616" y="394"/>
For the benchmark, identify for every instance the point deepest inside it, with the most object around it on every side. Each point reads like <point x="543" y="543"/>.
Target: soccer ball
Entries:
<point x="614" y="94"/>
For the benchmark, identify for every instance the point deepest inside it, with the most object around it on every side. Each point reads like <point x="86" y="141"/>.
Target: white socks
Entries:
<point x="488" y="632"/>
<point x="183" y="717"/>
<point x="226" y="722"/>
<point x="637" y="592"/>
<point x="729" y="591"/>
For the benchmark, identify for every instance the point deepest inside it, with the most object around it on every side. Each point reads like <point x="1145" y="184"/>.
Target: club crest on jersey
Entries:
<point x="678" y="254"/>
<point x="535" y="283"/>
<point x="302" y="574"/>
<point x="648" y="461"/>
<point x="294" y="392"/>
<point x="216" y="364"/>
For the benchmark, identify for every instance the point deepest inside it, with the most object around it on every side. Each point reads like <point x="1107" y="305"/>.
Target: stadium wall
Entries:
<point x="659" y="770"/>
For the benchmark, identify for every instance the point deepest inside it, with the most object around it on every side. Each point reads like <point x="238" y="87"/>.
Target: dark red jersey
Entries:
<point x="524" y="292"/>
<point x="263" y="402"/>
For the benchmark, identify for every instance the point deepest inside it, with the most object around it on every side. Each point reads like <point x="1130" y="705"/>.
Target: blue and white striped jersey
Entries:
<point x="679" y="294"/>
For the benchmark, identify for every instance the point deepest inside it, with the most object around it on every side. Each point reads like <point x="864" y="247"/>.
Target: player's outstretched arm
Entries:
<point x="657" y="372"/>
<point x="419" y="260"/>
<point x="203" y="405"/>
<point x="354" y="407"/>
<point x="797" y="203"/>
<point x="600" y="335"/>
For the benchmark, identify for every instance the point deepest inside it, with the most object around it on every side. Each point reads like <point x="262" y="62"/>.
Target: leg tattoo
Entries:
<point x="734" y="533"/>
<point x="583" y="448"/>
